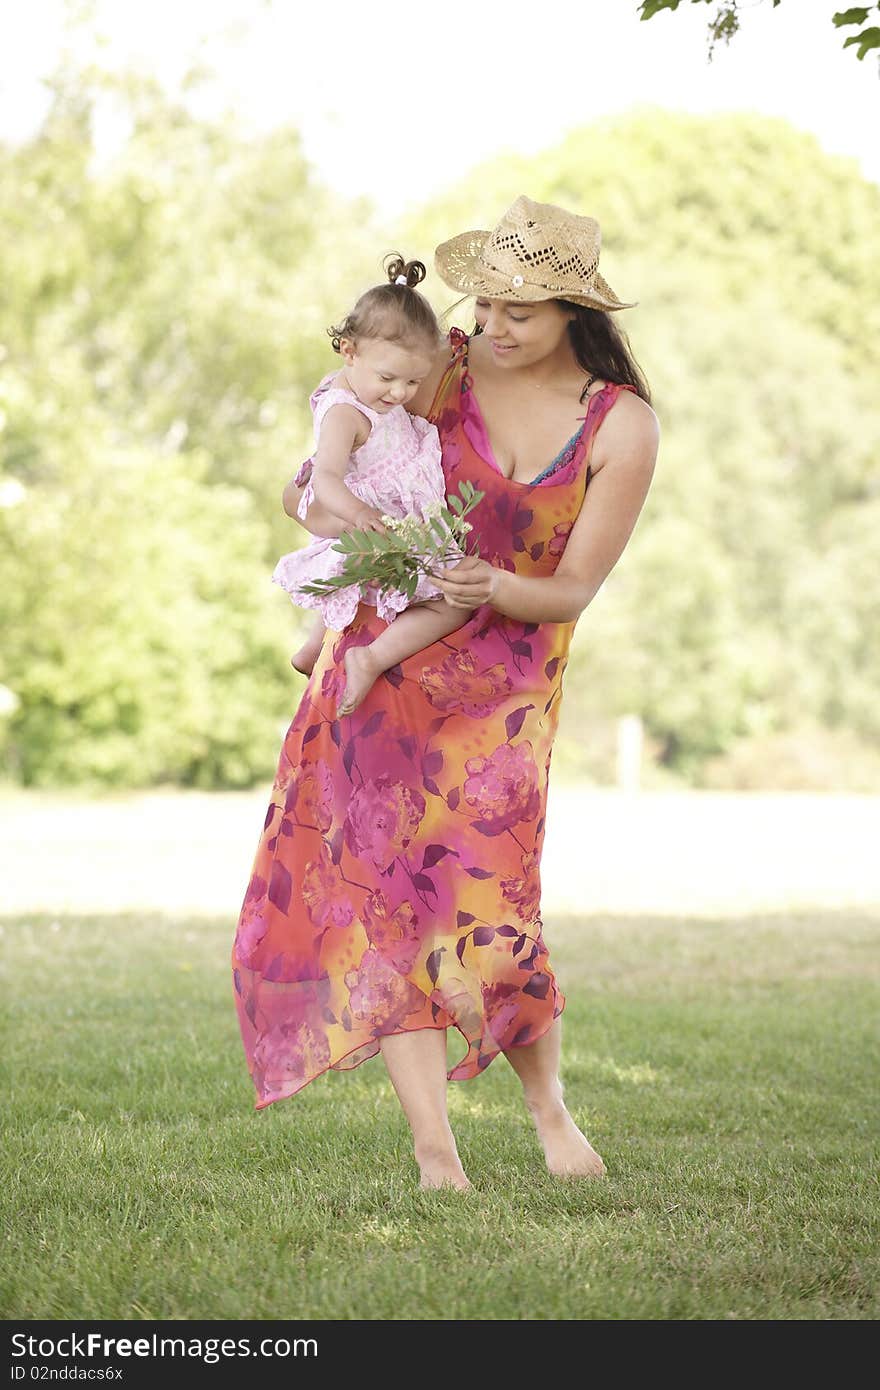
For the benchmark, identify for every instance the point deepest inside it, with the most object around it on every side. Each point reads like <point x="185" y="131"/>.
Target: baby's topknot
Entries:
<point x="396" y="267"/>
<point x="397" y="312"/>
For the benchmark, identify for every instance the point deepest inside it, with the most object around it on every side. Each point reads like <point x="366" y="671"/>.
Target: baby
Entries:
<point x="373" y="460"/>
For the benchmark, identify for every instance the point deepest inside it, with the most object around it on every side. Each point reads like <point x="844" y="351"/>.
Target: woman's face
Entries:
<point x="521" y="334"/>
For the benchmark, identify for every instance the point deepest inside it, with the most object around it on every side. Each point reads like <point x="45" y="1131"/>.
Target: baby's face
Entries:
<point x="384" y="374"/>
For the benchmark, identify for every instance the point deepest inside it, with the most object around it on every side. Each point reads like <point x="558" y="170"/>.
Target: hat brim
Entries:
<point x="459" y="264"/>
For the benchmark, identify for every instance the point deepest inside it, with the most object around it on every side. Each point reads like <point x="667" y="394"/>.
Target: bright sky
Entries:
<point x="402" y="116"/>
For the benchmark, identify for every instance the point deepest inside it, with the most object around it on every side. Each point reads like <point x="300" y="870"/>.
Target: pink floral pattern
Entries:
<point x="379" y="995"/>
<point x="460" y="683"/>
<point x="310" y="794"/>
<point x="525" y="891"/>
<point x="252" y="927"/>
<point x="289" y="1054"/>
<point x="557" y="541"/>
<point x="503" y="788"/>
<point x="396" y="884"/>
<point x="394" y="934"/>
<point x="501" y="1009"/>
<point x="382" y="819"/>
<point x="324" y="895"/>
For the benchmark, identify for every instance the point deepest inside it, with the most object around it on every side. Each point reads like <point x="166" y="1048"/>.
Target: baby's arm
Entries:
<point x="343" y="429"/>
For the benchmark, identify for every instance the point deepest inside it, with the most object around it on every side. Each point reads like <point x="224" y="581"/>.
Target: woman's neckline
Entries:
<point x="491" y="460"/>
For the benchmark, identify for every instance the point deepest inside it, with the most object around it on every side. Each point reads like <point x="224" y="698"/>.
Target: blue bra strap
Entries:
<point x="559" y="459"/>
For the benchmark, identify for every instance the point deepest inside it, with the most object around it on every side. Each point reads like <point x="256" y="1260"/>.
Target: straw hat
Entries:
<point x="537" y="251"/>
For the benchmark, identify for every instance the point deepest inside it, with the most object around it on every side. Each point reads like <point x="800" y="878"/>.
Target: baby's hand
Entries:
<point x="368" y="519"/>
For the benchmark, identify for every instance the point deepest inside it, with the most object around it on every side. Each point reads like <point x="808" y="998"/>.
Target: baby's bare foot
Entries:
<point x="361" y="670"/>
<point x="568" y="1152"/>
<point x="303" y="661"/>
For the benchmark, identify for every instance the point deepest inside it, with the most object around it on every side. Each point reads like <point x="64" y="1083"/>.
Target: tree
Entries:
<point x="757" y="325"/>
<point x="162" y="319"/>
<point x="161" y="323"/>
<point x="726" y="21"/>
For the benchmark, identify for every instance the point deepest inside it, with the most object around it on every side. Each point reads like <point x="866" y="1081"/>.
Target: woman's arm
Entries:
<point x="319" y="521"/>
<point x="630" y="439"/>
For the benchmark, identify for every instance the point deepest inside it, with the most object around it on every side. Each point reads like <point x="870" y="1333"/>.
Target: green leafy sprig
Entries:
<point x="409" y="548"/>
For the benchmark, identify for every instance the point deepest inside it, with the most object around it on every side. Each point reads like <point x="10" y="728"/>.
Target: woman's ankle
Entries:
<point x="428" y="1148"/>
<point x="548" y="1100"/>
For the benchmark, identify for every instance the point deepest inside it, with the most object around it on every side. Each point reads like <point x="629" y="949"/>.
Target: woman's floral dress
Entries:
<point x="396" y="884"/>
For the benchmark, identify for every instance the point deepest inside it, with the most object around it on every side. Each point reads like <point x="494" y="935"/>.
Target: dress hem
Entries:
<point x="398" y="1032"/>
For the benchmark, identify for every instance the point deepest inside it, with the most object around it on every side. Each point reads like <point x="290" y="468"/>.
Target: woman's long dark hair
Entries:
<point x="601" y="349"/>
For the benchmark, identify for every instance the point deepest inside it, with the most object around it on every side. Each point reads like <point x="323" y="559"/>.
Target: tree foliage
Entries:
<point x="162" y="317"/>
<point x="160" y="321"/>
<point x="753" y="256"/>
<point x="725" y="22"/>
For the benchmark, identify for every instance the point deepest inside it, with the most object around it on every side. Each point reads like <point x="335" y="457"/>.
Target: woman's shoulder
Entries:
<point x="446" y="354"/>
<point x="630" y="429"/>
<point x="631" y="408"/>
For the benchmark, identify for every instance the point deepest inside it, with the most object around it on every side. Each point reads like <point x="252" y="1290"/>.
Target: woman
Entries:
<point x="396" y="889"/>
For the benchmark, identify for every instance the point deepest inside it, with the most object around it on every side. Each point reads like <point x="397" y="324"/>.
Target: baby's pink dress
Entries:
<point x="398" y="471"/>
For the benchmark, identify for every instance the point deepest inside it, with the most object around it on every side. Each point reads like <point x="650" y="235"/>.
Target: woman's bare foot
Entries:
<point x="568" y="1152"/>
<point x="441" y="1167"/>
<point x="361" y="670"/>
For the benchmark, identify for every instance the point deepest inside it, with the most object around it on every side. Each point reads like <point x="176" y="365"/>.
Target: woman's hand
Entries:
<point x="290" y="498"/>
<point x="469" y="583"/>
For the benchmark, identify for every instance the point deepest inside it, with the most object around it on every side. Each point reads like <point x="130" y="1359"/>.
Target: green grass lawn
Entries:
<point x="725" y="1070"/>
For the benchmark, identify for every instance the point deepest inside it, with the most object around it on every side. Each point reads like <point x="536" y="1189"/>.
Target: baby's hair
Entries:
<point x="395" y="312"/>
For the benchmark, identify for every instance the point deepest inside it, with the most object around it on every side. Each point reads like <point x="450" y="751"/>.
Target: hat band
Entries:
<point x="581" y="288"/>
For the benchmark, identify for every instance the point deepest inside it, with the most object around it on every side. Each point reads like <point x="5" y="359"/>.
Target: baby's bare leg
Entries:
<point x="418" y="627"/>
<point x="305" y="657"/>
